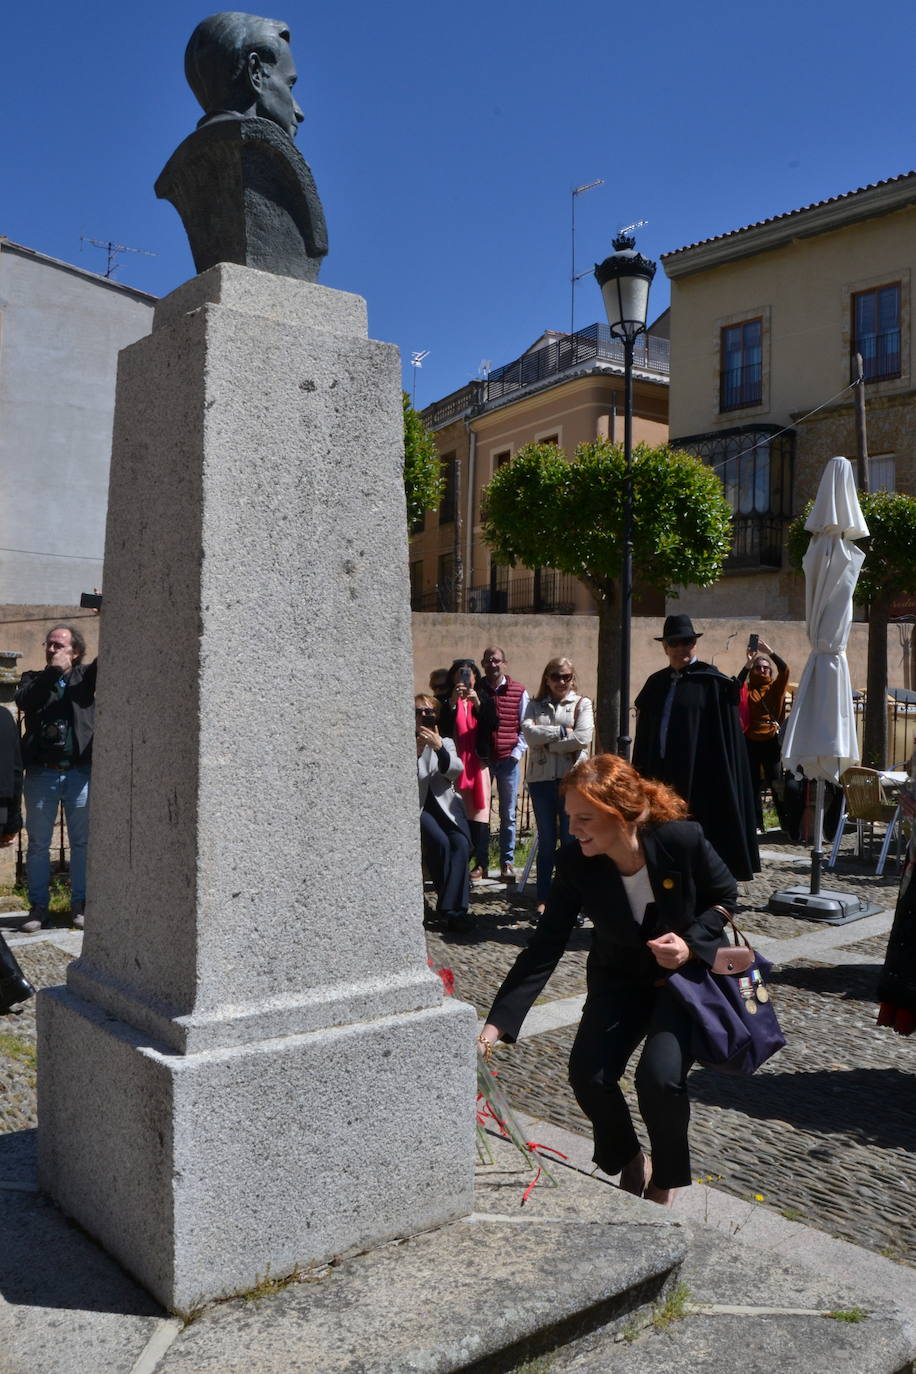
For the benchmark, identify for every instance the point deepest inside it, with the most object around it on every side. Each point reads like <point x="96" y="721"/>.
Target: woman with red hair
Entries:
<point x="657" y="895"/>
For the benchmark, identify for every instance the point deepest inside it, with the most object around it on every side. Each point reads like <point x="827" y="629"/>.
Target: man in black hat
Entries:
<point x="688" y="734"/>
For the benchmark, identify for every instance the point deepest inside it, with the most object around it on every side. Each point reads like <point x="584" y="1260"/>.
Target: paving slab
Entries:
<point x="574" y="1256"/>
<point x="65" y="1306"/>
<point x="749" y="1342"/>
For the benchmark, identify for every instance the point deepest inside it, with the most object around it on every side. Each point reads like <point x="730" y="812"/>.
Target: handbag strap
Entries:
<point x="739" y="936"/>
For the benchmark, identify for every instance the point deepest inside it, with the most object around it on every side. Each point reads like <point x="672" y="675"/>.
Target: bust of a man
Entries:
<point x="244" y="192"/>
<point x="238" y="65"/>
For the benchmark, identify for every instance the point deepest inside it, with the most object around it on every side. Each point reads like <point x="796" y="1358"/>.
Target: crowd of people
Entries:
<point x="649" y="852"/>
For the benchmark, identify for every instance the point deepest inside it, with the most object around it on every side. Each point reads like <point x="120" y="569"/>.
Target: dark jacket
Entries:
<point x="688" y="879"/>
<point x="10" y="776"/>
<point x="36" y="697"/>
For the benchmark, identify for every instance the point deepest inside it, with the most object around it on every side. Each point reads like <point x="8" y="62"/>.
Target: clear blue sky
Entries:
<point x="445" y="141"/>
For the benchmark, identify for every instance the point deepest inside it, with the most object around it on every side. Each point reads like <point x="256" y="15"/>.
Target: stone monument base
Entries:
<point x="205" y="1173"/>
<point x="252" y="1067"/>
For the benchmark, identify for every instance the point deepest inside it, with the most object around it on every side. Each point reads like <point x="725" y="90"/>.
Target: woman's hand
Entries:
<point x="670" y="950"/>
<point x="427" y="736"/>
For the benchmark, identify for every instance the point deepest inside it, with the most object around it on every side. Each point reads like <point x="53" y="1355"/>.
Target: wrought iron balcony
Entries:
<point x="567" y="353"/>
<point x="880" y="355"/>
<point x="572" y="351"/>
<point x="756" y="542"/>
<point x="551" y="593"/>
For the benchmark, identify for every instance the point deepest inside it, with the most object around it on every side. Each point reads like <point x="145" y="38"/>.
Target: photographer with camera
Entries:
<point x="469" y="719"/>
<point x="763" y="682"/>
<point x="59" y="707"/>
<point x="444" y="835"/>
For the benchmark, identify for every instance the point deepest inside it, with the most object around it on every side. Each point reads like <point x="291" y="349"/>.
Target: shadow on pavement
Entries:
<point x="19" y="1157"/>
<point x="48" y="1261"/>
<point x="851" y="982"/>
<point x="872" y="1106"/>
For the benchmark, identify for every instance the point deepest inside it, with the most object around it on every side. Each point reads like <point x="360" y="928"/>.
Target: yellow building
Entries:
<point x="565" y="388"/>
<point x="764" y="323"/>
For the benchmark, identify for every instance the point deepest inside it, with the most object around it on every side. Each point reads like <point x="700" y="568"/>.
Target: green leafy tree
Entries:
<point x="423" y="478"/>
<point x="889" y="570"/>
<point x="543" y="510"/>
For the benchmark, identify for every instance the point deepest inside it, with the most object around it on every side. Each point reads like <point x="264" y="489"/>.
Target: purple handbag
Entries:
<point x="735" y="1027"/>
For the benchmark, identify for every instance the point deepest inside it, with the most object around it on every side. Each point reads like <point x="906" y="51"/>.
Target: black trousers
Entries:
<point x="764" y="757"/>
<point x="446" y="851"/>
<point x="614" y="1021"/>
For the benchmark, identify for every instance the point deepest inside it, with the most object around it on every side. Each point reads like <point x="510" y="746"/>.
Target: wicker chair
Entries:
<point x="865" y="801"/>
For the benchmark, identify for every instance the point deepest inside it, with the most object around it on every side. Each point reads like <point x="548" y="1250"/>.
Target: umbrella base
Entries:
<point x="832" y="908"/>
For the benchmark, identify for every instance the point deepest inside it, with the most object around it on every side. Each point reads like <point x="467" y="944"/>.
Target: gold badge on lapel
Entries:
<point x="668" y="883"/>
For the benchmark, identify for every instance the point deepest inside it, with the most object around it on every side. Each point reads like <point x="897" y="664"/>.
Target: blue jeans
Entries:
<point x="44" y="789"/>
<point x="553" y="824"/>
<point x="505" y="771"/>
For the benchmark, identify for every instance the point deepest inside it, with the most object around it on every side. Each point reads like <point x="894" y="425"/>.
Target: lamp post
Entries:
<point x="625" y="278"/>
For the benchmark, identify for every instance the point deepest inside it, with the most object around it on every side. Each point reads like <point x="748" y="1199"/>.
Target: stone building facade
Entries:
<point x="764" y="323"/>
<point x="61" y="330"/>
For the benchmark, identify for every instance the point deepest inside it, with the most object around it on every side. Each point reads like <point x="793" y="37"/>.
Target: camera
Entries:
<point x="752" y="642"/>
<point x="428" y="720"/>
<point x="54" y="733"/>
<point x="91" y="600"/>
<point x="465" y="675"/>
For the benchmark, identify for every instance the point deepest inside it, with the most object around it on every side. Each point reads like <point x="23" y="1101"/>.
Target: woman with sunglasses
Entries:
<point x="558" y="726"/>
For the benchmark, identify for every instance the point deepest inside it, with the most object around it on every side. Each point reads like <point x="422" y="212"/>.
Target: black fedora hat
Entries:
<point x="678" y="627"/>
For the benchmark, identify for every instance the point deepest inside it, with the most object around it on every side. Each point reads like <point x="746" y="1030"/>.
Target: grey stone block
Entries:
<point x="264" y="294"/>
<point x="205" y="1173"/>
<point x="224" y="1088"/>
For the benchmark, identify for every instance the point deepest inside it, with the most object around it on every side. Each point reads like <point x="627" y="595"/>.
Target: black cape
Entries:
<point x="705" y="757"/>
<point x="897" y="984"/>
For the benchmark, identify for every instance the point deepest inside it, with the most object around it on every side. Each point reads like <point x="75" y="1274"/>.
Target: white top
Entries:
<point x="639" y="892"/>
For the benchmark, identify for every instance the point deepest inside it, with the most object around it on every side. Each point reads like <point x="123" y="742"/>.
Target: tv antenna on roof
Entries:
<point x="113" y="249"/>
<point x="627" y="229"/>
<point x="416" y="360"/>
<point x="574" y="276"/>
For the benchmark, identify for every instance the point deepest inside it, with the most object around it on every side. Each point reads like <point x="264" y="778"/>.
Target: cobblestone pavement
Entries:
<point x="825" y="1132"/>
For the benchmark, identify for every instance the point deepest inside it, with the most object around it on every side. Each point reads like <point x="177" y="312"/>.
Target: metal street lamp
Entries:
<point x="625" y="278"/>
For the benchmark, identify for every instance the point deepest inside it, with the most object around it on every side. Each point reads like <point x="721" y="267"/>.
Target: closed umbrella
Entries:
<point x="820" y="735"/>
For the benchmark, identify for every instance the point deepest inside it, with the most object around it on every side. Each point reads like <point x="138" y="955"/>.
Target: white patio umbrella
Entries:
<point x="820" y="734"/>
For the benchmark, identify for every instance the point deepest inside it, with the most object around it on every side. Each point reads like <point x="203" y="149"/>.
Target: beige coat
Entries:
<point x="550" y="755"/>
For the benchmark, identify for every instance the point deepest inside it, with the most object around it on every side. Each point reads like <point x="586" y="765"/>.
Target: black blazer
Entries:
<point x="688" y="879"/>
<point x="36" y="691"/>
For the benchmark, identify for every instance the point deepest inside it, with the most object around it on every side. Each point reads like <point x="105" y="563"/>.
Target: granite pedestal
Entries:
<point x="251" y="1066"/>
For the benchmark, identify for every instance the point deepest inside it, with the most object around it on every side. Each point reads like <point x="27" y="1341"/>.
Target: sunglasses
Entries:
<point x="560" y="677"/>
<point x="681" y="643"/>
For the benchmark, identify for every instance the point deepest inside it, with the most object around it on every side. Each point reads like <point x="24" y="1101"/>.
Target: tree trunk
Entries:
<point x="874" y="730"/>
<point x="607" y="705"/>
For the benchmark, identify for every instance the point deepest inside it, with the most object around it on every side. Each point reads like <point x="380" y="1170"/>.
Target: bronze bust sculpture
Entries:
<point x="244" y="192"/>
